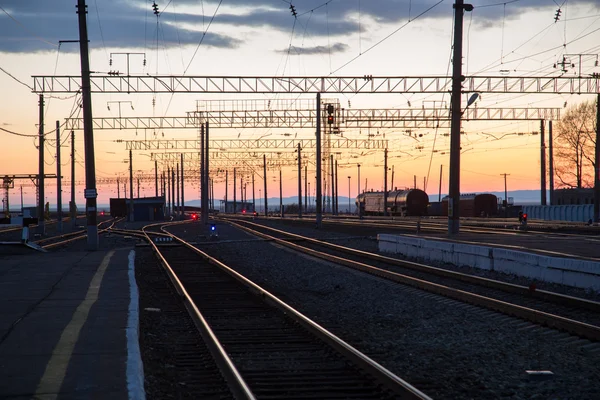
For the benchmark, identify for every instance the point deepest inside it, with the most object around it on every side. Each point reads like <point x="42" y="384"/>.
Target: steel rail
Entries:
<point x="377" y="371"/>
<point x="539" y="317"/>
<point x="78" y="235"/>
<point x="237" y="383"/>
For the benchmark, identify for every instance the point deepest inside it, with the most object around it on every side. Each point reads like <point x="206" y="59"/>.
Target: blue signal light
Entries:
<point x="213" y="228"/>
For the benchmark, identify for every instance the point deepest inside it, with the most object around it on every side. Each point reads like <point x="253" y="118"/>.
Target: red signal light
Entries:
<point x="194" y="216"/>
<point x="243" y="211"/>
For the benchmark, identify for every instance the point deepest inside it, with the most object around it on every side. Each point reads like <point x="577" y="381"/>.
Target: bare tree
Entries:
<point x="574" y="146"/>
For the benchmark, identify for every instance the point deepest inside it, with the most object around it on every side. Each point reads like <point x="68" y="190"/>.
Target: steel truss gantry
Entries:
<point x="299" y="85"/>
<point x="296" y="119"/>
<point x="251" y="144"/>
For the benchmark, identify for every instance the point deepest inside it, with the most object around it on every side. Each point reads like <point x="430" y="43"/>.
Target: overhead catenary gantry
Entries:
<point x="297" y="119"/>
<point x="324" y="84"/>
<point x="251" y="144"/>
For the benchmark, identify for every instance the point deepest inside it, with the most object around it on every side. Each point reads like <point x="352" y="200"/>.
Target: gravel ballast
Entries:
<point x="443" y="347"/>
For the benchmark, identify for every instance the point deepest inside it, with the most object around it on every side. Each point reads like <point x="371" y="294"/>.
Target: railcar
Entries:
<point x="473" y="205"/>
<point x="412" y="202"/>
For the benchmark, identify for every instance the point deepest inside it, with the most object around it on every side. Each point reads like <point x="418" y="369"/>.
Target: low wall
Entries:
<point x="572" y="212"/>
<point x="567" y="271"/>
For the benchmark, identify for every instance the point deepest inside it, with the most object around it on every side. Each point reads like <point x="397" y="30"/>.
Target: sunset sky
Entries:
<point x="263" y="38"/>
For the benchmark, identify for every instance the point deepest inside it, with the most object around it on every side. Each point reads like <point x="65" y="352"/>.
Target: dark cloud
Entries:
<point x="131" y="23"/>
<point x="335" y="48"/>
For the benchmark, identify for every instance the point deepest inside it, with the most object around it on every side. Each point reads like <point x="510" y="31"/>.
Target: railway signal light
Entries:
<point x="330" y="110"/>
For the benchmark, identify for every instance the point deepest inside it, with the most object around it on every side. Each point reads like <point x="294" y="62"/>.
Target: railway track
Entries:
<point x="61" y="240"/>
<point x="263" y="347"/>
<point x="575" y="316"/>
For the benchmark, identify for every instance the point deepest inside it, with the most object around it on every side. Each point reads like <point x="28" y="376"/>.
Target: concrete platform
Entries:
<point x="69" y="326"/>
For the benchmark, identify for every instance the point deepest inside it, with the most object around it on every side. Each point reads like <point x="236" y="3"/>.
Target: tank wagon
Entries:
<point x="411" y="202"/>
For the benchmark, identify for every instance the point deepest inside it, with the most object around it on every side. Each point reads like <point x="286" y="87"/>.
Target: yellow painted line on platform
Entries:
<point x="56" y="369"/>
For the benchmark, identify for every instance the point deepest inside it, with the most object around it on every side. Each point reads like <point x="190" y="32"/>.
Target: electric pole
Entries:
<point x="265" y="183"/>
<point x="597" y="165"/>
<point x="319" y="217"/>
<point x="505" y="202"/>
<point x="41" y="222"/>
<point x="156" y="178"/>
<point x="457" y="77"/>
<point x="182" y="189"/>
<point x="73" y="207"/>
<point x="280" y="194"/>
<point x="551" y="162"/>
<point x="543" y="163"/>
<point x="299" y="181"/>
<point x="59" y="222"/>
<point x="88" y="134"/>
<point x="130" y="187"/>
<point x="385" y="158"/>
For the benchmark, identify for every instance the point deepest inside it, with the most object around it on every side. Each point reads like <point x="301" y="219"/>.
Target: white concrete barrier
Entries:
<point x="567" y="271"/>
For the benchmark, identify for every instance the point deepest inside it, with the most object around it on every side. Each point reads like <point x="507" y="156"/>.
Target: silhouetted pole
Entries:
<point x="73" y="206"/>
<point x="358" y="193"/>
<point x="505" y="196"/>
<point x="457" y="78"/>
<point x="173" y="209"/>
<point x="226" y="188"/>
<point x="597" y="165"/>
<point x="138" y="187"/>
<point x="349" y="212"/>
<point x="319" y="216"/>
<point x="299" y="181"/>
<point x="206" y="170"/>
<point x="41" y="223"/>
<point x="337" y="190"/>
<point x="234" y="194"/>
<point x="131" y="219"/>
<point x="440" y="189"/>
<point x="242" y="192"/>
<point x="177" y="208"/>
<point x="88" y="133"/>
<point x="169" y="191"/>
<point x="265" y="183"/>
<point x="253" y="194"/>
<point x="280" y="195"/>
<point x="59" y="222"/>
<point x="306" y="188"/>
<point x="542" y="163"/>
<point x="551" y="162"/>
<point x="156" y="178"/>
<point x="414" y="181"/>
<point x="392" y="184"/>
<point x="385" y="188"/>
<point x="182" y="189"/>
<point x="202" y="174"/>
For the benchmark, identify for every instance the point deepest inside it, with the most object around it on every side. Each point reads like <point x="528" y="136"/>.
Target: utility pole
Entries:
<point x="202" y="174"/>
<point x="234" y="194"/>
<point x="21" y="199"/>
<point x="41" y="222"/>
<point x="457" y="77"/>
<point x="392" y="184"/>
<point x="306" y="188"/>
<point x="138" y="187"/>
<point x="206" y="171"/>
<point x="299" y="181"/>
<point x="73" y="207"/>
<point x="173" y="208"/>
<point x="59" y="222"/>
<point x="265" y="183"/>
<point x="385" y="188"/>
<point x="88" y="134"/>
<point x="241" y="193"/>
<point x="414" y="181"/>
<point x="156" y="178"/>
<point x="358" y="193"/>
<point x="177" y="209"/>
<point x="440" y="189"/>
<point x="253" y="194"/>
<point x="505" y="202"/>
<point x="551" y="162"/>
<point x="169" y="191"/>
<point x="543" y="163"/>
<point x="319" y="216"/>
<point x="349" y="211"/>
<point x="332" y="186"/>
<point x="597" y="165"/>
<point x="131" y="219"/>
<point x="182" y="189"/>
<point x="337" y="190"/>
<point x="226" y="188"/>
<point x="280" y="195"/>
